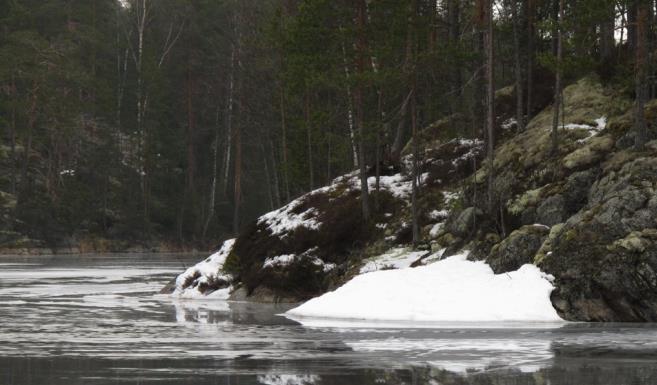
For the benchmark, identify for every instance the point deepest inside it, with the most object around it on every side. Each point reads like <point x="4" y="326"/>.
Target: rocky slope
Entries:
<point x="587" y="215"/>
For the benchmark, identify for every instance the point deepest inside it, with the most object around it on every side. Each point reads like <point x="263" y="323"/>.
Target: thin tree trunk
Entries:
<point x="286" y="179"/>
<point x="398" y="145"/>
<point x="490" y="102"/>
<point x="31" y="121"/>
<point x="213" y="184"/>
<point x="237" y="182"/>
<point x="454" y="34"/>
<point x="530" y="10"/>
<point x="275" y="170"/>
<point x="12" y="135"/>
<point x="191" y="127"/>
<point x="229" y="121"/>
<point x="557" y="82"/>
<point x="377" y="157"/>
<point x="607" y="35"/>
<point x="640" y="125"/>
<point x="520" y="114"/>
<point x="329" y="154"/>
<point x="268" y="178"/>
<point x="415" y="174"/>
<point x="632" y="14"/>
<point x="237" y="191"/>
<point x="360" y="123"/>
<point x="350" y="113"/>
<point x="311" y="170"/>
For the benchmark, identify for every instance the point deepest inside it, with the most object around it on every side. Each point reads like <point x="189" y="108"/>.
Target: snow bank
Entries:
<point x="204" y="273"/>
<point x="453" y="289"/>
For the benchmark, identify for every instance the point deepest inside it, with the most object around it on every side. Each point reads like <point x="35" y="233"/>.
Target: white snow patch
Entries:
<point x="476" y="146"/>
<point x="450" y="197"/>
<point x="600" y="124"/>
<point x="509" y="123"/>
<point x="208" y="270"/>
<point x="450" y="290"/>
<point x="470" y="142"/>
<point x="287" y="259"/>
<point x="436" y="229"/>
<point x="438" y="214"/>
<point x="396" y="258"/>
<point x="280" y="260"/>
<point x="399" y="185"/>
<point x="284" y="220"/>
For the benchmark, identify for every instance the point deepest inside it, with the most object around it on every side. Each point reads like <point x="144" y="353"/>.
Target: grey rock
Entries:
<point x="605" y="257"/>
<point x="464" y="222"/>
<point x="552" y="210"/>
<point x="517" y="249"/>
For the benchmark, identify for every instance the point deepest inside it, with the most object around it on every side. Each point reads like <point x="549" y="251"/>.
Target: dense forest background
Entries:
<point x="179" y="121"/>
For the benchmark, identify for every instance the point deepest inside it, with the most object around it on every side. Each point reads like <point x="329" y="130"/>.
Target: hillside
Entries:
<point x="587" y="216"/>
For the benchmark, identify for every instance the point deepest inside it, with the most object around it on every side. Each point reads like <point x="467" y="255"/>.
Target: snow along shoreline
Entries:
<point x="450" y="292"/>
<point x="453" y="290"/>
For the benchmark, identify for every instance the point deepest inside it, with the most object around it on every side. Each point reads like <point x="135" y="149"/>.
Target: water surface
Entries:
<point x="98" y="320"/>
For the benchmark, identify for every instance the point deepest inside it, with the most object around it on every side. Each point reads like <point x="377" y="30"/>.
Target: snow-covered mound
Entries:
<point x="453" y="289"/>
<point x="202" y="279"/>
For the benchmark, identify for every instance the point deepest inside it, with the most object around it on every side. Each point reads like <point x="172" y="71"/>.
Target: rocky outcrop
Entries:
<point x="604" y="258"/>
<point x="587" y="215"/>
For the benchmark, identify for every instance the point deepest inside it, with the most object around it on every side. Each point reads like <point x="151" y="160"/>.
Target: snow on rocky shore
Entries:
<point x="453" y="289"/>
<point x="195" y="281"/>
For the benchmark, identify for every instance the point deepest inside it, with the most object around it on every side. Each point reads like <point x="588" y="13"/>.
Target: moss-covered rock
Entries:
<point x="604" y="258"/>
<point x="517" y="249"/>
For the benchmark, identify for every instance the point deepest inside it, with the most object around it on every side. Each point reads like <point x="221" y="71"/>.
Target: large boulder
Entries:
<point x="517" y="249"/>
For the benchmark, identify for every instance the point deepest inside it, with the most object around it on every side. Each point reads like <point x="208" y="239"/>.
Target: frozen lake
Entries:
<point x="99" y="320"/>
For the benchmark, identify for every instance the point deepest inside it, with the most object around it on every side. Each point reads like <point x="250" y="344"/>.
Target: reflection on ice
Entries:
<point x="201" y="311"/>
<point x="288" y="379"/>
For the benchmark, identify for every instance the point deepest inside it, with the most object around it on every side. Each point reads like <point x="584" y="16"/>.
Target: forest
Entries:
<point x="177" y="122"/>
